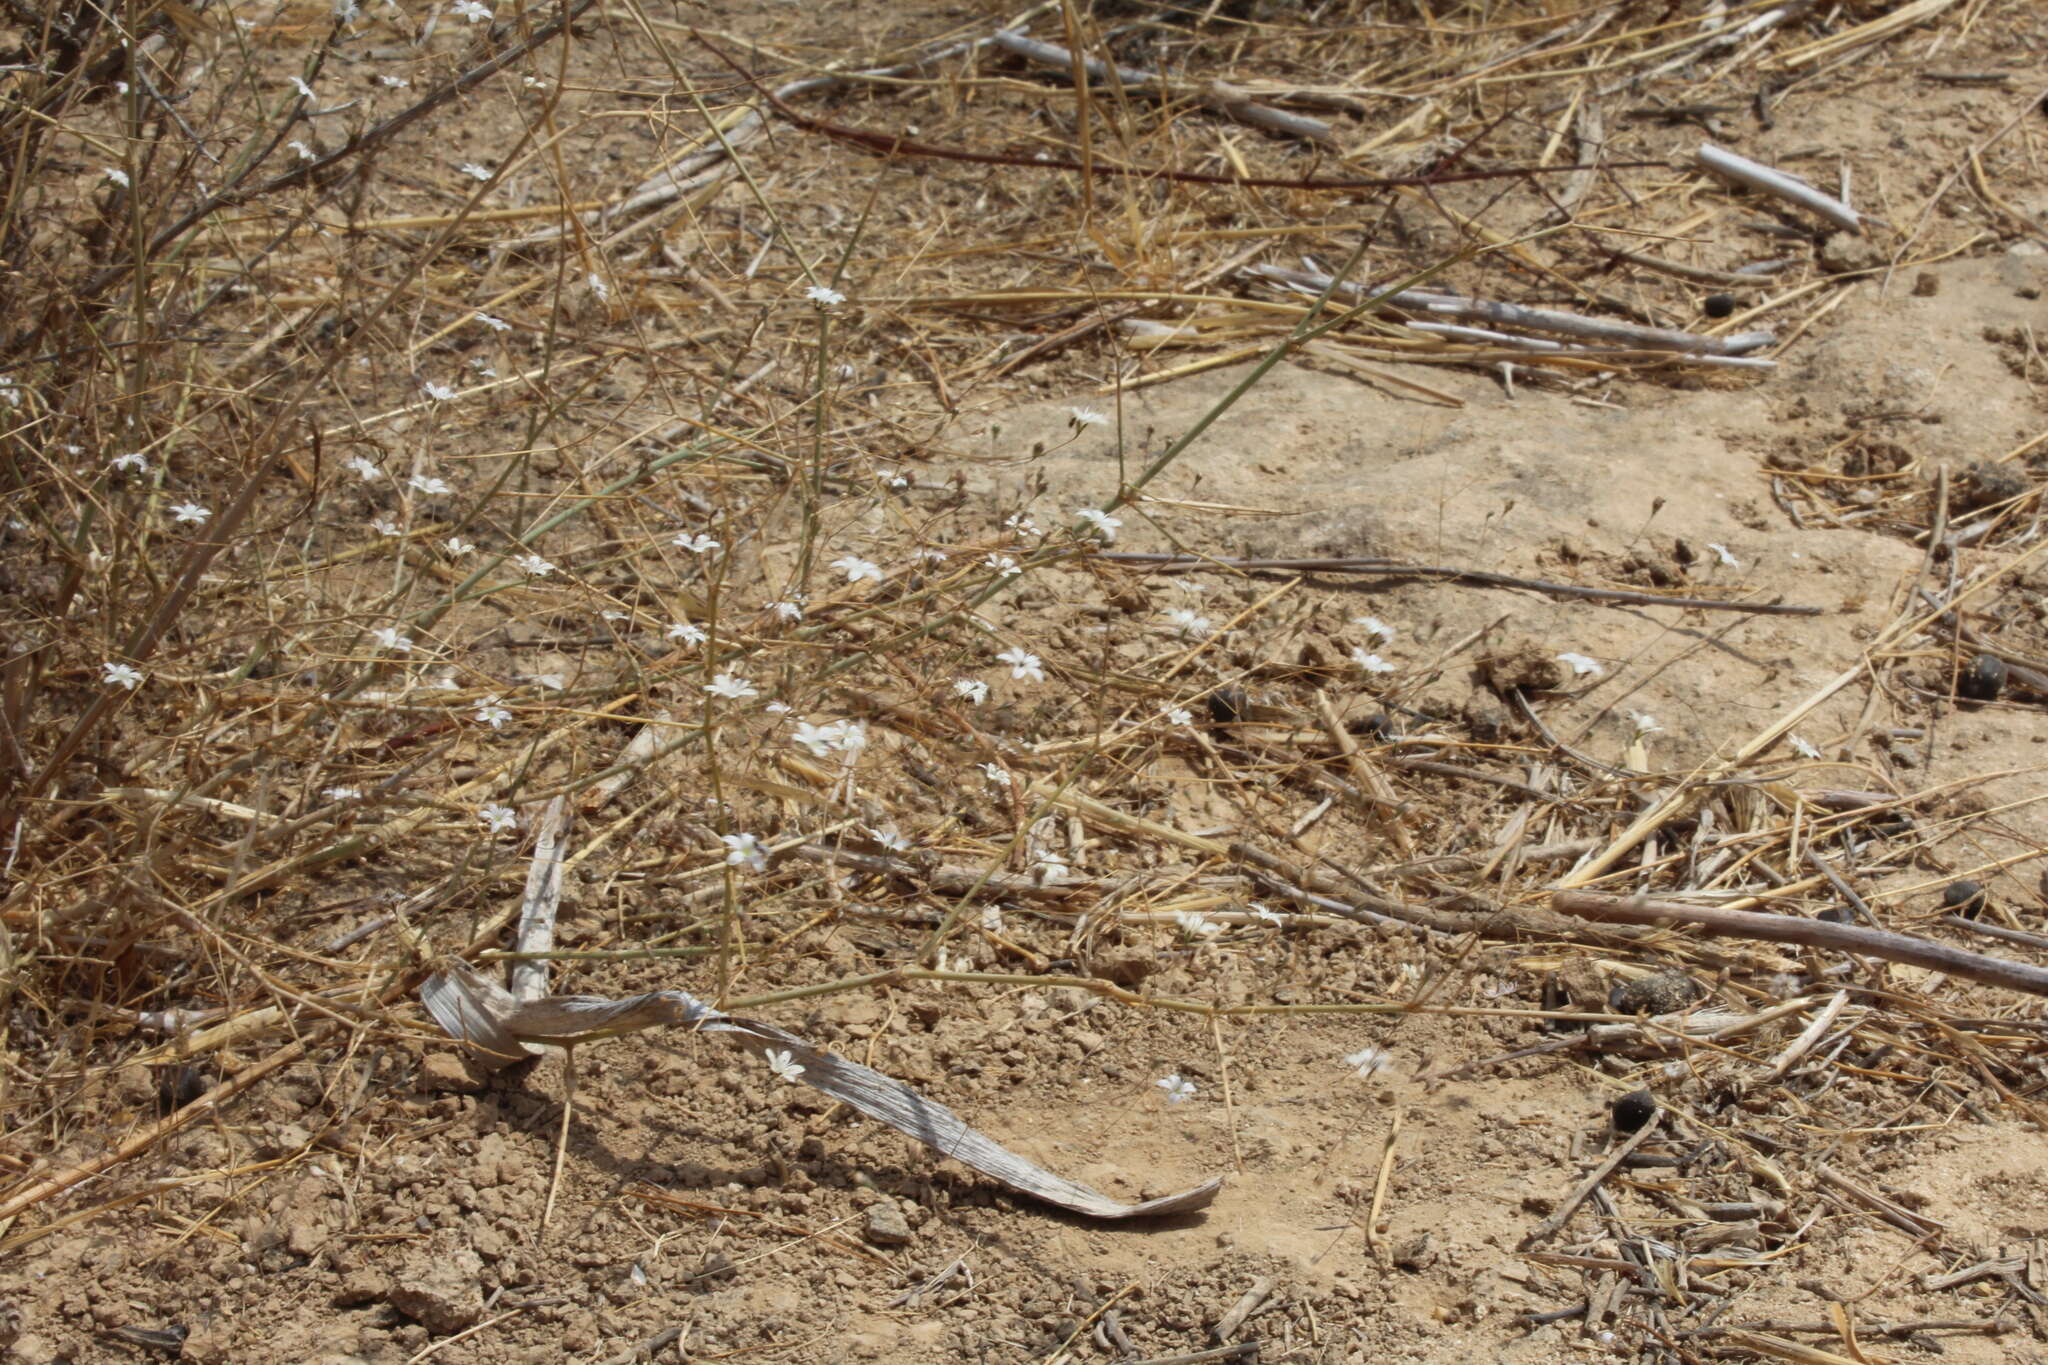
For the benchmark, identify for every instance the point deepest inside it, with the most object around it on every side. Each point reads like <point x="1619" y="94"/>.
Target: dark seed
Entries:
<point x="1227" y="705"/>
<point x="1633" y="1110"/>
<point x="1983" y="680"/>
<point x="1963" y="898"/>
<point x="1720" y="305"/>
<point x="178" y="1087"/>
<point x="1837" y="914"/>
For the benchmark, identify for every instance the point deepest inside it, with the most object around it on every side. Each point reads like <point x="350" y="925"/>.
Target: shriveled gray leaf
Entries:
<point x="485" y="1015"/>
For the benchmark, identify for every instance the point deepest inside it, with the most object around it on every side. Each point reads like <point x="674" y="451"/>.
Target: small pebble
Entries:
<point x="1720" y="305"/>
<point x="1662" y="993"/>
<point x="1633" y="1110"/>
<point x="1983" y="680"/>
<point x="886" y="1226"/>
<point x="1837" y="914"/>
<point x="1963" y="898"/>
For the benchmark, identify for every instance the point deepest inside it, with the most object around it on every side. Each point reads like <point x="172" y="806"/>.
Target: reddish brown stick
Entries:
<point x="1811" y="933"/>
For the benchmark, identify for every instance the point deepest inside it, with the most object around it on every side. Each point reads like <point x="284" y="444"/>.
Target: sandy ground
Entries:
<point x="387" y="1202"/>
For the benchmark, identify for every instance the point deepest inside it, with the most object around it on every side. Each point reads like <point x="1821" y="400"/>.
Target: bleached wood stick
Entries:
<point x="543" y="900"/>
<point x="1765" y="180"/>
<point x="478" y="1011"/>
<point x="1811" y="933"/>
<point x="1223" y="97"/>
<point x="1527" y="319"/>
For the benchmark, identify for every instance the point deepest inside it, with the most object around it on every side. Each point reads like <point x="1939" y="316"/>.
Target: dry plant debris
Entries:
<point x="705" y="511"/>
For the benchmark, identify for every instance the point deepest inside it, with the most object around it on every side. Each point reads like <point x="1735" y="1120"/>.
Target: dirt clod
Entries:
<point x="442" y="1291"/>
<point x="886" y="1226"/>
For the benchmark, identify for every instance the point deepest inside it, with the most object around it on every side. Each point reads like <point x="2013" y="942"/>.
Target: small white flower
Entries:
<point x="490" y="713"/>
<point x="787" y="610"/>
<point x="974" y="690"/>
<point x="824" y="297"/>
<point x="1802" y="747"/>
<point x="778" y="708"/>
<point x="457" y="546"/>
<point x="1178" y="715"/>
<point x="1371" y="663"/>
<point x="852" y="736"/>
<point x="1581" y="665"/>
<point x="1100" y="523"/>
<point x="299" y="84"/>
<point x="1721" y="553"/>
<point x="533" y="564"/>
<point x="1369" y="1060"/>
<point x="744" y="850"/>
<point x="385" y="526"/>
<point x="121" y="675"/>
<point x="1373" y="626"/>
<point x="365" y="469"/>
<point x="1196" y="925"/>
<point x="1078" y="418"/>
<point x="1004" y="566"/>
<point x="930" y="557"/>
<point x="1187" y="624"/>
<point x="821" y="740"/>
<point x="429" y="485"/>
<point x="470" y="10"/>
<point x="347" y="13"/>
<point x="389" y="637"/>
<point x="553" y="682"/>
<point x="498" y="819"/>
<point x="301" y="150"/>
<point x="440" y="393"/>
<point x="1269" y="916"/>
<point x="1176" y="1088"/>
<point x="892" y="478"/>
<point x="1024" y="665"/>
<point x="342" y="793"/>
<point x="119" y="177"/>
<point x="888" y="838"/>
<point x="731" y="686"/>
<point x="1021" y="523"/>
<point x="784" y="1068"/>
<point x="696" y="545"/>
<point x="474" y="171"/>
<point x="687" y="633"/>
<point x="393" y="82"/>
<point x="1645" y="724"/>
<point x="191" y="512"/>
<point x="496" y="324"/>
<point x="134" y="461"/>
<point x="857" y="569"/>
<point x="995" y="775"/>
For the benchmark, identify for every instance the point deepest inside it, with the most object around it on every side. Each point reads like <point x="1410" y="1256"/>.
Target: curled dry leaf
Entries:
<point x="485" y="1015"/>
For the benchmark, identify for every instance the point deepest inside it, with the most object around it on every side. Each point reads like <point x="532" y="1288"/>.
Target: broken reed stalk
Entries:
<point x="1388" y="568"/>
<point x="1526" y="319"/>
<point x="1583" y="1191"/>
<point x="1767" y="180"/>
<point x="1809" y="933"/>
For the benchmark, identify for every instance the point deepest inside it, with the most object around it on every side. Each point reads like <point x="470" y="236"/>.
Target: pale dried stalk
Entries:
<point x="1811" y="933"/>
<point x="543" y="898"/>
<point x="482" y="1013"/>
<point x="1221" y="96"/>
<point x="1766" y="180"/>
<point x="1527" y="319"/>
